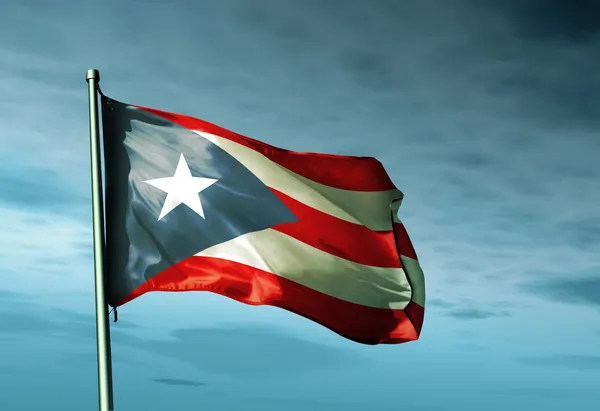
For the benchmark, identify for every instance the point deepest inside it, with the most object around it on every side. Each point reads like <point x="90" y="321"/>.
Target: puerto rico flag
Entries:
<point x="191" y="206"/>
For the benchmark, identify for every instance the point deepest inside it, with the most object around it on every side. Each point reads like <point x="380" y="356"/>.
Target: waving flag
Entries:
<point x="192" y="206"/>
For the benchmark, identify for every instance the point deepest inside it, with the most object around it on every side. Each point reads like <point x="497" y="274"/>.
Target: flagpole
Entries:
<point x="102" y="329"/>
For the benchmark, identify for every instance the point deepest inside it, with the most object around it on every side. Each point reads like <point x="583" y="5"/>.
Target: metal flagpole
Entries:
<point x="105" y="402"/>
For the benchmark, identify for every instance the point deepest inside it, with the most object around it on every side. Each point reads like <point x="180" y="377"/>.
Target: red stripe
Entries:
<point x="256" y="287"/>
<point x="341" y="238"/>
<point x="344" y="172"/>
<point x="403" y="242"/>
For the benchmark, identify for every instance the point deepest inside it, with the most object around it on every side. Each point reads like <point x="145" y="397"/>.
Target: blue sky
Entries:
<point x="485" y="113"/>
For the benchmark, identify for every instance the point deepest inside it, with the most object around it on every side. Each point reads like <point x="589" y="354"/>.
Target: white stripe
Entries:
<point x="412" y="268"/>
<point x="371" y="209"/>
<point x="279" y="254"/>
<point x="395" y="206"/>
<point x="413" y="271"/>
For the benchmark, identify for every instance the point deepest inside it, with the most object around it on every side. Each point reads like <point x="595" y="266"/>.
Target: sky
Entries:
<point x="486" y="115"/>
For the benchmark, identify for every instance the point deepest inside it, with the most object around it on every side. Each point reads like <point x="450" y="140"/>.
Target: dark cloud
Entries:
<point x="551" y="20"/>
<point x="570" y="94"/>
<point x="473" y="160"/>
<point x="179" y="382"/>
<point x="575" y="171"/>
<point x="436" y="302"/>
<point x="473" y="347"/>
<point x="466" y="190"/>
<point x="505" y="216"/>
<point x="21" y="323"/>
<point x="22" y="316"/>
<point x="36" y="188"/>
<point x="474" y="314"/>
<point x="575" y="290"/>
<point x="238" y="350"/>
<point x="530" y="60"/>
<point x="583" y="233"/>
<point x="567" y="362"/>
<point x="246" y="351"/>
<point x="485" y="113"/>
<point x="276" y="22"/>
<point x="9" y="295"/>
<point x="371" y="69"/>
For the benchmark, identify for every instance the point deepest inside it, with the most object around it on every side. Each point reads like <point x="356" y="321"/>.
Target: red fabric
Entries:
<point x="403" y="242"/>
<point x="252" y="286"/>
<point x="341" y="238"/>
<point x="344" y="172"/>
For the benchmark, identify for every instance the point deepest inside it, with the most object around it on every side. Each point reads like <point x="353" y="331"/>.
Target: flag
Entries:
<point x="191" y="206"/>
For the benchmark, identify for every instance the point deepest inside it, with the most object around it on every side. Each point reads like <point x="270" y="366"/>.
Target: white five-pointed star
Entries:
<point x="182" y="188"/>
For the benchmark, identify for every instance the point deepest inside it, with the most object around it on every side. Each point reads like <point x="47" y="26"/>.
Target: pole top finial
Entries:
<point x="92" y="74"/>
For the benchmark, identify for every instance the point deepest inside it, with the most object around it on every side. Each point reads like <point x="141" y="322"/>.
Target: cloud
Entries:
<point x="484" y="113"/>
<point x="474" y="314"/>
<point x="179" y="382"/>
<point x="554" y="20"/>
<point x="277" y="23"/>
<point x="460" y="117"/>
<point x="574" y="290"/>
<point x="439" y="303"/>
<point x="26" y="186"/>
<point x="6" y="295"/>
<point x="582" y="233"/>
<point x="239" y="350"/>
<point x="26" y="323"/>
<point x="22" y="317"/>
<point x="234" y="350"/>
<point x="472" y="347"/>
<point x="44" y="249"/>
<point x="470" y="160"/>
<point x="370" y="69"/>
<point x="573" y="362"/>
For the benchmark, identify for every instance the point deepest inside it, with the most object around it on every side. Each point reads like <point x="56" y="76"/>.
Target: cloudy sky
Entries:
<point x="486" y="114"/>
